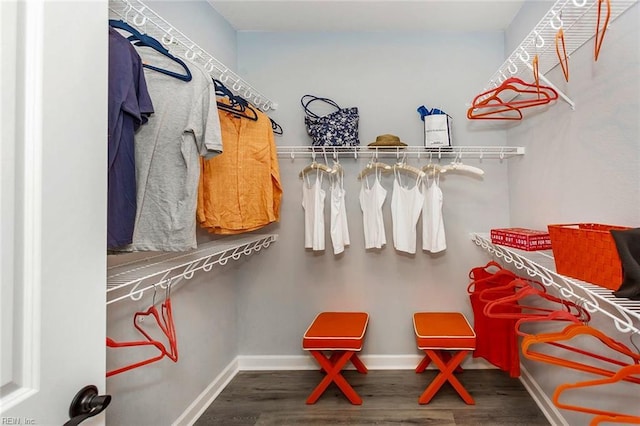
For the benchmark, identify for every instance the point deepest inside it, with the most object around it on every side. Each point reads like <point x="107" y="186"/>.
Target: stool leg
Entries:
<point x="359" y="365"/>
<point x="423" y="364"/>
<point x="446" y="374"/>
<point x="334" y="375"/>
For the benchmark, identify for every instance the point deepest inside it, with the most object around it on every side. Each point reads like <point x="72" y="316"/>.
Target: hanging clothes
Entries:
<point x="313" y="197"/>
<point x="129" y="107"/>
<point x="240" y="190"/>
<point x="371" y="202"/>
<point x="406" y="205"/>
<point x="339" y="225"/>
<point x="433" y="237"/>
<point x="184" y="127"/>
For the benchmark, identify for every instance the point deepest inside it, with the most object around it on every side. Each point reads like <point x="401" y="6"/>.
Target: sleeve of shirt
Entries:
<point x="205" y="123"/>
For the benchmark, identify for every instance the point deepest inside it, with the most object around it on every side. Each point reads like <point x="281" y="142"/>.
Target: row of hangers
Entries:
<point x="227" y="101"/>
<point x="498" y="103"/>
<point x="623" y="365"/>
<point x="162" y="320"/>
<point x="401" y="166"/>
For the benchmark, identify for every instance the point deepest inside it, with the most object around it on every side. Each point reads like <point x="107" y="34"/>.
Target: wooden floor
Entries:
<point x="277" y="398"/>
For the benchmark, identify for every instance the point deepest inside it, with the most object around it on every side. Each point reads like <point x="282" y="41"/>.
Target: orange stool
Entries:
<point x="341" y="334"/>
<point x="437" y="332"/>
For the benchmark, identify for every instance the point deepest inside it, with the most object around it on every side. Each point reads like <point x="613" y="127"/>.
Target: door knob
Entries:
<point x="87" y="403"/>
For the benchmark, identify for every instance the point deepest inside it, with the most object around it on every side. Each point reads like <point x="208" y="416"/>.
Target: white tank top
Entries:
<point x="339" y="226"/>
<point x="433" y="238"/>
<point x="313" y="205"/>
<point x="371" y="201"/>
<point x="406" y="205"/>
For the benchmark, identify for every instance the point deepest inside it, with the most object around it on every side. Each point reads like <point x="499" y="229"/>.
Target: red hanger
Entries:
<point x="491" y="309"/>
<point x="480" y="272"/>
<point x="553" y="316"/>
<point x="571" y="331"/>
<point x="164" y="321"/>
<point x="499" y="279"/>
<point x="562" y="56"/>
<point x="626" y="373"/>
<point x="509" y="289"/>
<point x="600" y="35"/>
<point x="113" y="344"/>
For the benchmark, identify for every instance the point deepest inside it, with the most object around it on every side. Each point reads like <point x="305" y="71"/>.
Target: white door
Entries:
<point x="52" y="207"/>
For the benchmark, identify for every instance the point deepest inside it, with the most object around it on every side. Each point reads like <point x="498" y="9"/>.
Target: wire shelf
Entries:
<point x="624" y="313"/>
<point x="577" y="18"/>
<point x="140" y="16"/>
<point x="132" y="279"/>
<point x="460" y="152"/>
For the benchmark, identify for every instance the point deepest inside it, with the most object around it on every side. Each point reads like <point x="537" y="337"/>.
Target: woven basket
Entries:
<point x="586" y="251"/>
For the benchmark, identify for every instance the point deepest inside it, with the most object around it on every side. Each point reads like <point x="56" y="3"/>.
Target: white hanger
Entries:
<point x="457" y="165"/>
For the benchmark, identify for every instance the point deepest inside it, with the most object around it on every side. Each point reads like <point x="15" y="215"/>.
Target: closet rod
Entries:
<point x="140" y="16"/>
<point x="461" y="152"/>
<point x="577" y="18"/>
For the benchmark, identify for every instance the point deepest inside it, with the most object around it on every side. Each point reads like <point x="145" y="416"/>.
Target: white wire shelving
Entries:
<point x="142" y="17"/>
<point x="578" y="19"/>
<point x="624" y="313"/>
<point x="130" y="280"/>
<point x="459" y="152"/>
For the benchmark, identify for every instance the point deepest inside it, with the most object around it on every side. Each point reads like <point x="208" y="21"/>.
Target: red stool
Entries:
<point x="436" y="333"/>
<point x="341" y="334"/>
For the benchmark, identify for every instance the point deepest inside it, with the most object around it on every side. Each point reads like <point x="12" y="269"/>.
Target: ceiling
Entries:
<point x="368" y="15"/>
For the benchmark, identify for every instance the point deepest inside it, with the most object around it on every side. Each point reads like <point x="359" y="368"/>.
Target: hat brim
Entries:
<point x="389" y="144"/>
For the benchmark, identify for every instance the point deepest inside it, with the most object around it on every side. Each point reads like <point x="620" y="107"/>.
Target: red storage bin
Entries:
<point x="586" y="251"/>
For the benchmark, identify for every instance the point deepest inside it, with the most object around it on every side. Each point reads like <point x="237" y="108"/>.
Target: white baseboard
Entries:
<point x="202" y="402"/>
<point x="547" y="407"/>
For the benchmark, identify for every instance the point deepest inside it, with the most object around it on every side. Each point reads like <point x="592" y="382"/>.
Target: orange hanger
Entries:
<point x="536" y="73"/>
<point x="600" y="35"/>
<point x="571" y="331"/>
<point x="544" y="94"/>
<point x="632" y="420"/>
<point x="491" y="99"/>
<point x="626" y="373"/>
<point x="562" y="57"/>
<point x="473" y="114"/>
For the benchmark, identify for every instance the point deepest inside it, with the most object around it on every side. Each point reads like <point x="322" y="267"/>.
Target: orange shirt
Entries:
<point x="240" y="189"/>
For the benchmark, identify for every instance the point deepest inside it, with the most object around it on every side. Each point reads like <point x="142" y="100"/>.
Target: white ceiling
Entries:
<point x="368" y="15"/>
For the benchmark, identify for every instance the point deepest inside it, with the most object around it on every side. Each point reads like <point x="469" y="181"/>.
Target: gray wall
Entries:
<point x="583" y="165"/>
<point x="204" y="307"/>
<point x="387" y="76"/>
<point x="575" y="169"/>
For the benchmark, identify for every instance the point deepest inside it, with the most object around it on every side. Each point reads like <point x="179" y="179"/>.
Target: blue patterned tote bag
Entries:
<point x="338" y="128"/>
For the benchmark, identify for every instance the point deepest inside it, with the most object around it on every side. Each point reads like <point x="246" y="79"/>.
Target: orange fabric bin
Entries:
<point x="586" y="251"/>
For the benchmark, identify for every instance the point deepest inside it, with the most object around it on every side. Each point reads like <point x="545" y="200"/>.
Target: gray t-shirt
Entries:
<point x="184" y="127"/>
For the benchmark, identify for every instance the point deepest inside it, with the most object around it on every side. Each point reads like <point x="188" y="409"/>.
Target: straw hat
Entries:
<point x="387" y="140"/>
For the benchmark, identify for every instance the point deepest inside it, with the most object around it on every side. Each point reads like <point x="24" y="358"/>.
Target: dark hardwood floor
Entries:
<point x="275" y="398"/>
